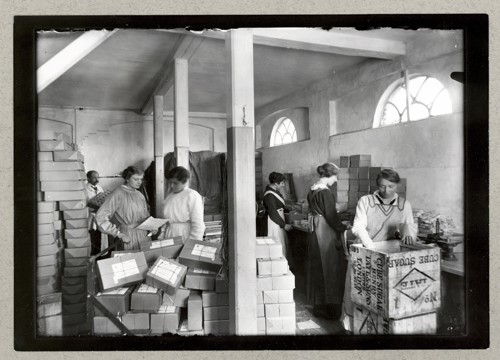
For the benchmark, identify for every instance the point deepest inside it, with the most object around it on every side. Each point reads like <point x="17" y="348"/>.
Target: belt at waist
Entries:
<point x="129" y="226"/>
<point x="179" y="222"/>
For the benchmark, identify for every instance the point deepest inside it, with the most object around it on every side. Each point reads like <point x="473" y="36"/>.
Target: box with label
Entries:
<point x="76" y="252"/>
<point x="264" y="283"/>
<point x="117" y="301"/>
<point x="283" y="282"/>
<point x="45" y="250"/>
<point x="278" y="296"/>
<point x="370" y="323"/>
<point x="122" y="271"/>
<point x="76" y="214"/>
<point x="102" y="325"/>
<point x="201" y="255"/>
<point x="221" y="284"/>
<point x="74" y="175"/>
<point x="199" y="279"/>
<point x="166" y="274"/>
<point x="44" y="156"/>
<point x="353" y="185"/>
<point x="216" y="313"/>
<point x="136" y="322"/>
<point x="363" y="173"/>
<point x="395" y="280"/>
<point x="343" y="185"/>
<point x="45" y="218"/>
<point x="364" y="185"/>
<point x="64" y="195"/>
<point x="212" y="298"/>
<point x="53" y="145"/>
<point x="46" y="260"/>
<point x="44" y="271"/>
<point x="216" y="327"/>
<point x="76" y="261"/>
<point x="179" y="299"/>
<point x="280" y="310"/>
<point x="146" y="298"/>
<point x="343" y="174"/>
<point x="71" y="155"/>
<point x="272" y="267"/>
<point x="268" y="248"/>
<point x="195" y="311"/>
<point x="60" y="166"/>
<point x="75" y="271"/>
<point x="280" y="325"/>
<point x="72" y="205"/>
<point x="77" y="223"/>
<point x="62" y="185"/>
<point x="166" y="320"/>
<point x="360" y="161"/>
<point x="78" y="242"/>
<point x="167" y="248"/>
<point x="43" y="229"/>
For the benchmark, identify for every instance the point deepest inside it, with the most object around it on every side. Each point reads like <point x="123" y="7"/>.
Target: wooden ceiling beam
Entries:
<point x="184" y="48"/>
<point x="56" y="66"/>
<point x="332" y="42"/>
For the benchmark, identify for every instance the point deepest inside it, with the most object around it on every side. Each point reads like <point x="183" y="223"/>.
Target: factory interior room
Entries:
<point x="252" y="181"/>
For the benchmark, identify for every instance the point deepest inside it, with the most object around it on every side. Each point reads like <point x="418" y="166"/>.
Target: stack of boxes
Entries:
<point x="213" y="231"/>
<point x="396" y="289"/>
<point x="275" y="284"/>
<point x="61" y="188"/>
<point x="167" y="287"/>
<point x="357" y="178"/>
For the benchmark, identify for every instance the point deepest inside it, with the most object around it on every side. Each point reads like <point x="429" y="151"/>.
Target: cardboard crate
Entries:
<point x="280" y="310"/>
<point x="64" y="195"/>
<point x="74" y="298"/>
<point x="216" y="327"/>
<point x="76" y="261"/>
<point x="184" y="330"/>
<point x="353" y="173"/>
<point x="49" y="305"/>
<point x="167" y="248"/>
<point x="44" y="229"/>
<point x="353" y="185"/>
<point x="62" y="185"/>
<point x="343" y="174"/>
<point x="264" y="283"/>
<point x="268" y="248"/>
<point x="58" y="225"/>
<point x="44" y="156"/>
<point x="47" y="260"/>
<point x="195" y="311"/>
<point x="78" y="242"/>
<point x="278" y="296"/>
<point x="72" y="281"/>
<point x="370" y="323"/>
<point x="272" y="267"/>
<point x="364" y="185"/>
<point x="343" y="185"/>
<point x="46" y="285"/>
<point x="77" y="252"/>
<point x="46" y="206"/>
<point x="201" y="255"/>
<point x="261" y="325"/>
<point x="58" y="176"/>
<point x="166" y="320"/>
<point x="77" y="223"/>
<point x="44" y="271"/>
<point x="72" y="205"/>
<point x="280" y="325"/>
<point x="45" y="250"/>
<point x="212" y="298"/>
<point x="60" y="166"/>
<point x="146" y="299"/>
<point x="53" y="145"/>
<point x="344" y="162"/>
<point x="45" y="218"/>
<point x="357" y="161"/>
<point x="283" y="282"/>
<point x="198" y="279"/>
<point x="125" y="270"/>
<point x="166" y="274"/>
<point x="73" y="289"/>
<point x="179" y="299"/>
<point x="76" y="233"/>
<point x="76" y="271"/>
<point x="70" y="155"/>
<point x="396" y="281"/>
<point x="364" y="173"/>
<point x="216" y="313"/>
<point x="76" y="214"/>
<point x="136" y="322"/>
<point x="260" y="297"/>
<point x="117" y="301"/>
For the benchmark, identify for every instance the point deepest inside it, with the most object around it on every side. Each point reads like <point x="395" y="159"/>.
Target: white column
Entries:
<point x="181" y="113"/>
<point x="241" y="182"/>
<point x="158" y="154"/>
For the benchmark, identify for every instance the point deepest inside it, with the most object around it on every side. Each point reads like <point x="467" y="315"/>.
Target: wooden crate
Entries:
<point x="369" y="323"/>
<point x="396" y="281"/>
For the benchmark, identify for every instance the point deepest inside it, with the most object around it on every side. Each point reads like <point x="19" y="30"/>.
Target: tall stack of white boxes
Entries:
<point x="357" y="178"/>
<point x="62" y="190"/>
<point x="275" y="284"/>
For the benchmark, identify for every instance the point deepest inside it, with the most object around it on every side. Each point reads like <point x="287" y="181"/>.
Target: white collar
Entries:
<point x="379" y="199"/>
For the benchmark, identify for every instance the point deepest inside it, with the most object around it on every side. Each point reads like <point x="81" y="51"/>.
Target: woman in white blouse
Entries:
<point x="183" y="207"/>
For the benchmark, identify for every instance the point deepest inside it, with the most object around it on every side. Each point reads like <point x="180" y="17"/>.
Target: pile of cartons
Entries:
<point x="357" y="178"/>
<point x="396" y="288"/>
<point x="213" y="231"/>
<point x="63" y="238"/>
<point x="166" y="287"/>
<point x="275" y="284"/>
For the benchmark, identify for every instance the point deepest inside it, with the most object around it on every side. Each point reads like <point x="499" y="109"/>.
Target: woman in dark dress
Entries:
<point x="327" y="265"/>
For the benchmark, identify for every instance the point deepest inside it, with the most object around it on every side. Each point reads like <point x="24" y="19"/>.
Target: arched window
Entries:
<point x="427" y="97"/>
<point x="283" y="132"/>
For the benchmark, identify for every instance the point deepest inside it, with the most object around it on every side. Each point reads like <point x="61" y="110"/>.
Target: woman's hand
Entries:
<point x="288" y="227"/>
<point x="125" y="238"/>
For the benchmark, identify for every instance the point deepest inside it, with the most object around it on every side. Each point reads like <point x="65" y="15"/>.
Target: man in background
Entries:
<point x="93" y="189"/>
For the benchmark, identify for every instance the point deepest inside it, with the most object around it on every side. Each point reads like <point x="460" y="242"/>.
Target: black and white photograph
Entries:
<point x="232" y="183"/>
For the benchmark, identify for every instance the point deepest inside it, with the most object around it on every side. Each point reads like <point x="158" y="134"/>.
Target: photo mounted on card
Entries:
<point x="251" y="182"/>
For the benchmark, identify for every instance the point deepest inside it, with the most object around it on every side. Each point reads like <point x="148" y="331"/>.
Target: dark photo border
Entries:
<point x="476" y="224"/>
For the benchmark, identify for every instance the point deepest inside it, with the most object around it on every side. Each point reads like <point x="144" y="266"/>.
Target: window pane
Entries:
<point x="287" y="138"/>
<point x="285" y="132"/>
<point x="391" y="116"/>
<point x="415" y="85"/>
<point x="442" y="104"/>
<point x="418" y="112"/>
<point x="294" y="136"/>
<point x="429" y="91"/>
<point x="398" y="98"/>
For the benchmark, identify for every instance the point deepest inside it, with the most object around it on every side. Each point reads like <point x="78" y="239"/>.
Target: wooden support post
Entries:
<point x="241" y="183"/>
<point x="158" y="154"/>
<point x="181" y="113"/>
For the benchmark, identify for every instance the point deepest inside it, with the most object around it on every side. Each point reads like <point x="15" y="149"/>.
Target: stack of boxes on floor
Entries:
<point x="357" y="178"/>
<point x="213" y="228"/>
<point x="61" y="177"/>
<point x="275" y="284"/>
<point x="396" y="289"/>
<point x="166" y="287"/>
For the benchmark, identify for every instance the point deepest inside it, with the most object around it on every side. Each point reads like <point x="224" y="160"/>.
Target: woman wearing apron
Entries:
<point x="124" y="209"/>
<point x="378" y="216"/>
<point x="275" y="211"/>
<point x="183" y="208"/>
<point x="326" y="261"/>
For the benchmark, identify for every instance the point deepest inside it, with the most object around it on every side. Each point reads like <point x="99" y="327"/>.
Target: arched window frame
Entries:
<point x="401" y="83"/>
<point x="283" y="128"/>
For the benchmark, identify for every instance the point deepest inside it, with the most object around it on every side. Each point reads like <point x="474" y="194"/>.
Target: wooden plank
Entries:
<point x="241" y="187"/>
<point x="158" y="153"/>
<point x="181" y="113"/>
